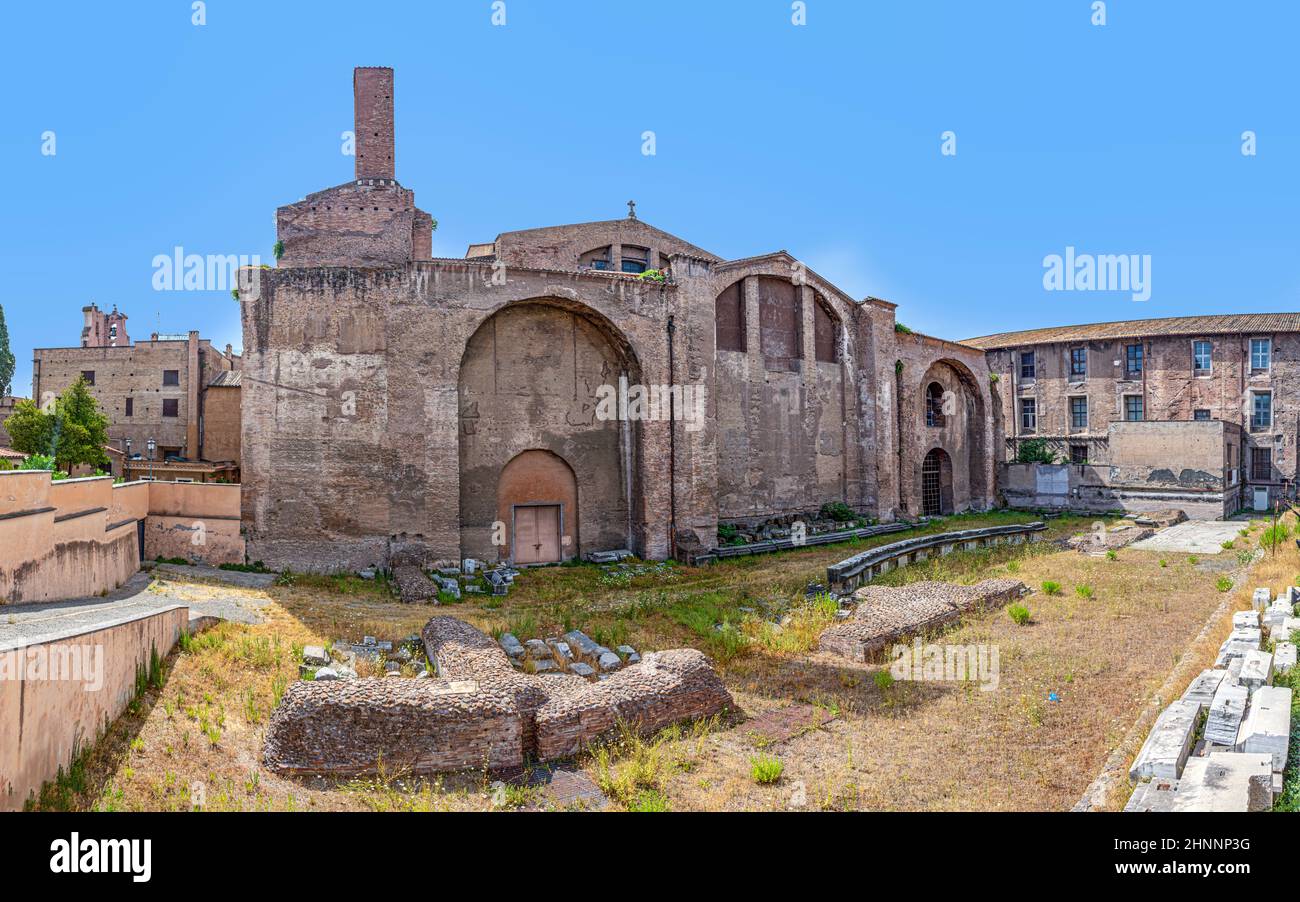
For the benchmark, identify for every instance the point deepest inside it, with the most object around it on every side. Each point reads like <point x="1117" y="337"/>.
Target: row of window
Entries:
<point x="1261" y="413"/>
<point x="169" y="377"/>
<point x="1261" y="359"/>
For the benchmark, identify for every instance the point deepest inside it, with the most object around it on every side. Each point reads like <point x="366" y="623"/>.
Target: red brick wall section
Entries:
<point x="480" y="709"/>
<point x="372" y="94"/>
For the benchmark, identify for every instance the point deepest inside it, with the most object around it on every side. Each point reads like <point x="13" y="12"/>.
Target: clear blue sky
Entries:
<point x="822" y="139"/>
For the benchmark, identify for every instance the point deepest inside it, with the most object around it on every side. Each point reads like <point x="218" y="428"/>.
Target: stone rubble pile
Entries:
<point x="575" y="654"/>
<point x="886" y="614"/>
<point x="481" y="710"/>
<point x="455" y="579"/>
<point x="1223" y="746"/>
<point x="339" y="662"/>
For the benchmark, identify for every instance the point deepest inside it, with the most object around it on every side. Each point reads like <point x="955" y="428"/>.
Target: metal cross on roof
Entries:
<point x="631" y="209"/>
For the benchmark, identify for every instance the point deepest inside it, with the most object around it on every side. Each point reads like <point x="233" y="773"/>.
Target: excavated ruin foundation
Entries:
<point x="479" y="711"/>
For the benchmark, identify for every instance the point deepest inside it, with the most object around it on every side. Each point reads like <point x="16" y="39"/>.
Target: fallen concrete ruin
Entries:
<point x="886" y="614"/>
<point x="1233" y="759"/>
<point x="480" y="712"/>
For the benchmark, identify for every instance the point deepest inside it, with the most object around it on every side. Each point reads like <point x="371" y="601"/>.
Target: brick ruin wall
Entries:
<point x="887" y="614"/>
<point x="479" y="711"/>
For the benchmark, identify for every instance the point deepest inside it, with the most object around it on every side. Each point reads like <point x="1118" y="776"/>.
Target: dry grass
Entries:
<point x="899" y="746"/>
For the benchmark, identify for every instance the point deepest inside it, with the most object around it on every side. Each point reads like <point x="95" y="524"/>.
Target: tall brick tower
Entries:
<point x="372" y="96"/>
<point x="371" y="220"/>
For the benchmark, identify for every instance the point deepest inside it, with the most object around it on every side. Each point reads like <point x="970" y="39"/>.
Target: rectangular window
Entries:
<point x="170" y="406"/>
<point x="1201" y="356"/>
<point x="1261" y="410"/>
<point x="1079" y="413"/>
<point x="1133" y="358"/>
<point x="1027" y="368"/>
<point x="89" y="376"/>
<point x="1078" y="361"/>
<point x="1133" y="411"/>
<point x="1261" y="464"/>
<point x="1261" y="353"/>
<point x="1028" y="414"/>
<point x="130" y="407"/>
<point x="171" y="377"/>
<point x="1079" y="454"/>
<point x="1200" y="415"/>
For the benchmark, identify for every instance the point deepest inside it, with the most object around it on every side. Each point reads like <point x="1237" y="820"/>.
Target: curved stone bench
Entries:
<point x="479" y="712"/>
<point x="862" y="568"/>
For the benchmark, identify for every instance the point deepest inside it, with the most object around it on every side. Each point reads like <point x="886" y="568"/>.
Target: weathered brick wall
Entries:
<point x="353" y="224"/>
<point x="561" y="247"/>
<point x="896" y="435"/>
<point x="221" y="423"/>
<point x="350" y="415"/>
<point x="372" y="96"/>
<point x="785" y="428"/>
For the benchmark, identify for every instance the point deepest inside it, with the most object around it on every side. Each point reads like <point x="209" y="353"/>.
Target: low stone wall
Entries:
<point x="849" y="574"/>
<point x="422" y="727"/>
<point x="56" y="539"/>
<point x="479" y="711"/>
<point x="886" y="615"/>
<point x="76" y="538"/>
<point x="58" y="690"/>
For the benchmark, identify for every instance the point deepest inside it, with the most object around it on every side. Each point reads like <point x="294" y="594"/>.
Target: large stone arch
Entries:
<point x="959" y="430"/>
<point x="530" y="380"/>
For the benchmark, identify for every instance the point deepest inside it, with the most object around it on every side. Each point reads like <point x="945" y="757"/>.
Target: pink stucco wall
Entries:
<point x="77" y="538"/>
<point x="46" y="717"/>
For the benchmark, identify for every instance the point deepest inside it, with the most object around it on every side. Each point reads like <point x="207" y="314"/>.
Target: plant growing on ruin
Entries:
<point x="1223" y="584"/>
<point x="883" y="679"/>
<point x="1112" y="555"/>
<point x="1227" y="546"/>
<point x="1035" y="451"/>
<point x="902" y="329"/>
<point x="837" y="511"/>
<point x="765" y="769"/>
<point x="1019" y="614"/>
<point x="653" y="275"/>
<point x="278" y="250"/>
<point x="1051" y="587"/>
<point x="1083" y="591"/>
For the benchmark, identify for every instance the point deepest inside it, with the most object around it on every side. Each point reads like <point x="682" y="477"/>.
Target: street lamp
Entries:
<point x="126" y="460"/>
<point x="152" y="446"/>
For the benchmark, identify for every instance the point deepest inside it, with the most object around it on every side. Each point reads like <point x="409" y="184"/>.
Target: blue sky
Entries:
<point x="822" y="139"/>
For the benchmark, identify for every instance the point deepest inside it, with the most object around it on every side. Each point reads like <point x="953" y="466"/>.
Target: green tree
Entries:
<point x="6" y="358"/>
<point x="31" y="430"/>
<point x="80" y="429"/>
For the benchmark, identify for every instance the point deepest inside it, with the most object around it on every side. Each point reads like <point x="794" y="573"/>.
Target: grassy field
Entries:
<point x="1102" y="639"/>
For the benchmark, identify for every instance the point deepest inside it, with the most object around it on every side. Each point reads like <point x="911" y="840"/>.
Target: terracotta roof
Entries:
<point x="226" y="379"/>
<point x="1224" y="324"/>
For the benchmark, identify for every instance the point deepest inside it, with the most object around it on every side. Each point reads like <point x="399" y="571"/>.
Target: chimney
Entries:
<point x="372" y="97"/>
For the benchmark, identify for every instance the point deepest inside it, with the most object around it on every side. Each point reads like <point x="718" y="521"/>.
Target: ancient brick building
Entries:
<point x="158" y="389"/>
<point x="1068" y="386"/>
<point x="510" y="404"/>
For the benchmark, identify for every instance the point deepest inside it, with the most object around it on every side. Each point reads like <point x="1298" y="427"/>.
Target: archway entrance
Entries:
<point x="936" y="484"/>
<point x="537" y="499"/>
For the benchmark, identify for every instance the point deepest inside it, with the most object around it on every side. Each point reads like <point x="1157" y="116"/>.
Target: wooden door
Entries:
<point x="537" y="534"/>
